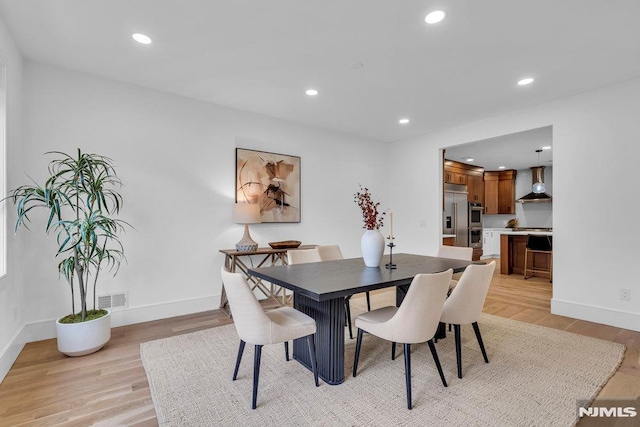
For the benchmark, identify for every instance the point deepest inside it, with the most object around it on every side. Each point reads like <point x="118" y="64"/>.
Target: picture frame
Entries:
<point x="271" y="180"/>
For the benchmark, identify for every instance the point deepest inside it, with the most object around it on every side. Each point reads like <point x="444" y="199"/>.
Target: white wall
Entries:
<point x="11" y="295"/>
<point x="595" y="147"/>
<point x="176" y="157"/>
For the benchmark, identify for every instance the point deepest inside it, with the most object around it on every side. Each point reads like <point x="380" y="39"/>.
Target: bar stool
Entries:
<point x="542" y="245"/>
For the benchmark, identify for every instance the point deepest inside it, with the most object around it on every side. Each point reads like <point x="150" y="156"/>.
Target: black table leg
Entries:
<point x="330" y="322"/>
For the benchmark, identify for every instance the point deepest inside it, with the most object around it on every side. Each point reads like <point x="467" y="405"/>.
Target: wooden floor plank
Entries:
<point x="46" y="388"/>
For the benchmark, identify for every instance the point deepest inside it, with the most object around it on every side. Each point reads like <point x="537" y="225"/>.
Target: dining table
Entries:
<point x="320" y="289"/>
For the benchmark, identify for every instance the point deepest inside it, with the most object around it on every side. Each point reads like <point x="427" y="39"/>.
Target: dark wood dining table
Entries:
<point x="320" y="288"/>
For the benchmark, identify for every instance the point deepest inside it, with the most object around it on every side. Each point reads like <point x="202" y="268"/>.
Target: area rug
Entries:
<point x="535" y="376"/>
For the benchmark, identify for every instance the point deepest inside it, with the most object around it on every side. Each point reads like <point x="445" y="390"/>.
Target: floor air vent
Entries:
<point x="113" y="301"/>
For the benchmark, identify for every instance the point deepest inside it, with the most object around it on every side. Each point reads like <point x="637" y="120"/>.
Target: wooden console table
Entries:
<point x="235" y="261"/>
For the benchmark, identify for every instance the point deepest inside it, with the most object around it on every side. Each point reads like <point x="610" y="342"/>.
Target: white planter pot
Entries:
<point x="79" y="339"/>
<point x="372" y="247"/>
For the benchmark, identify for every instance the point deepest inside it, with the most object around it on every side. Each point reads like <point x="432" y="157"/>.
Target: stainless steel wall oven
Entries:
<point x="475" y="237"/>
<point x="475" y="215"/>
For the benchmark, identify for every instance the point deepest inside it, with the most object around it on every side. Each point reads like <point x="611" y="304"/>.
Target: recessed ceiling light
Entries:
<point x="141" y="38"/>
<point x="311" y="92"/>
<point x="403" y="121"/>
<point x="468" y="159"/>
<point x="525" y="81"/>
<point x="434" y="17"/>
<point x="548" y="147"/>
<point x="501" y="167"/>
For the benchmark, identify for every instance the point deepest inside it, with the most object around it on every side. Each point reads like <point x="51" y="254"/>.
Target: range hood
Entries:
<point x="537" y="175"/>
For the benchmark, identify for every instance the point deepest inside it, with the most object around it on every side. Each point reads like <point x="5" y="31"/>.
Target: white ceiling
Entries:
<point x="261" y="55"/>
<point x="514" y="151"/>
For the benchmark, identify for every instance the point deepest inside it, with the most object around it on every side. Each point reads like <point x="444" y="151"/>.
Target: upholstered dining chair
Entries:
<point x="464" y="305"/>
<point x="415" y="321"/>
<point x="455" y="252"/>
<point x="303" y="256"/>
<point x="332" y="253"/>
<point x="260" y="328"/>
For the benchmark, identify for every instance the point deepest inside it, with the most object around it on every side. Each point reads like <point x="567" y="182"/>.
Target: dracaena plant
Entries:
<point x="80" y="199"/>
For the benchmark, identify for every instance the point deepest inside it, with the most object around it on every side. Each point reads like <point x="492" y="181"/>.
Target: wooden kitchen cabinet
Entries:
<point x="500" y="192"/>
<point x="455" y="177"/>
<point x="475" y="186"/>
<point x="464" y="174"/>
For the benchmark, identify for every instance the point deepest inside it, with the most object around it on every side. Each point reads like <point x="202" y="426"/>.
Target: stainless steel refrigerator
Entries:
<point x="456" y="214"/>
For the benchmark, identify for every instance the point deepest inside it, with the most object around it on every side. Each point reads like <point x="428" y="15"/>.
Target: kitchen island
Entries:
<point x="512" y="246"/>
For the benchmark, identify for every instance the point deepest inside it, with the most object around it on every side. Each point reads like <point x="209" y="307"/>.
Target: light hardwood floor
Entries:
<point x="45" y="388"/>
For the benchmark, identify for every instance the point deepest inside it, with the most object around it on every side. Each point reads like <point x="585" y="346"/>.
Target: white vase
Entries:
<point x="78" y="339"/>
<point x="372" y="247"/>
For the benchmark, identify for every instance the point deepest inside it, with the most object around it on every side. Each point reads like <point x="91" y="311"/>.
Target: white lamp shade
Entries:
<point x="246" y="213"/>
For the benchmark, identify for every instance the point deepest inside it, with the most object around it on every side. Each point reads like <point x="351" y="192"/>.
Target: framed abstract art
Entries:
<point x="272" y="181"/>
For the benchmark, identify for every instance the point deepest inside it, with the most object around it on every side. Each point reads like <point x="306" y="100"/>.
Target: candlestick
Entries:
<point x="391" y="225"/>
<point x="390" y="265"/>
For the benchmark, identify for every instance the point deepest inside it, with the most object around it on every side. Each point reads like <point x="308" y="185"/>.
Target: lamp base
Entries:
<point x="246" y="244"/>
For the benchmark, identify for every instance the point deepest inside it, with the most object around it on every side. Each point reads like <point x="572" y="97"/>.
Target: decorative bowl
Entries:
<point x="285" y="244"/>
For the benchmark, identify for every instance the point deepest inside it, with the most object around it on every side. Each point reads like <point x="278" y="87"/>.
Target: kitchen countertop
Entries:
<point x="519" y="232"/>
<point x="444" y="236"/>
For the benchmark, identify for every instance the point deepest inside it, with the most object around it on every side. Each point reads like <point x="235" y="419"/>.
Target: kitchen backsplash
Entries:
<point x="528" y="214"/>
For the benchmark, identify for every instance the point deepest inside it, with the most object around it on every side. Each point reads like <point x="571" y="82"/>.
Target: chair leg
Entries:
<point x="240" y="351"/>
<point x="357" y="356"/>
<point x="407" y="372"/>
<point x="436" y="359"/>
<point x="256" y="375"/>
<point x="286" y="350"/>
<point x="393" y="351"/>
<point x="347" y="309"/>
<point x="456" y="332"/>
<point x="476" y="329"/>
<point x="312" y="357"/>
<point x="368" y="301"/>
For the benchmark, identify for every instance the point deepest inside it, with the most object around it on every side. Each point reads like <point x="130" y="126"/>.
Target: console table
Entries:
<point x="236" y="261"/>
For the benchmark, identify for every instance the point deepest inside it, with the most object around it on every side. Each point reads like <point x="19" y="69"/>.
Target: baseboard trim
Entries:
<point x="165" y="310"/>
<point x="46" y="329"/>
<point x="10" y="353"/>
<point x="592" y="313"/>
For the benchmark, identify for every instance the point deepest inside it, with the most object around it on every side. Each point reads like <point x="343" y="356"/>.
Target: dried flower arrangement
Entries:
<point x="373" y="220"/>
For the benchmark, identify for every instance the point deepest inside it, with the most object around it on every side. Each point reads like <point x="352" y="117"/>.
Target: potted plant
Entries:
<point x="80" y="201"/>
<point x="372" y="241"/>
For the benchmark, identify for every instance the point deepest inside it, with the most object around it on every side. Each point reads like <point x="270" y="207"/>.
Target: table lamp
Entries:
<point x="246" y="213"/>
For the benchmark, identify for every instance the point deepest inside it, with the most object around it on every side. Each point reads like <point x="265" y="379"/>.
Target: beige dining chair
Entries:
<point x="465" y="303"/>
<point x="455" y="252"/>
<point x="303" y="256"/>
<point x="415" y="321"/>
<point x="257" y="327"/>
